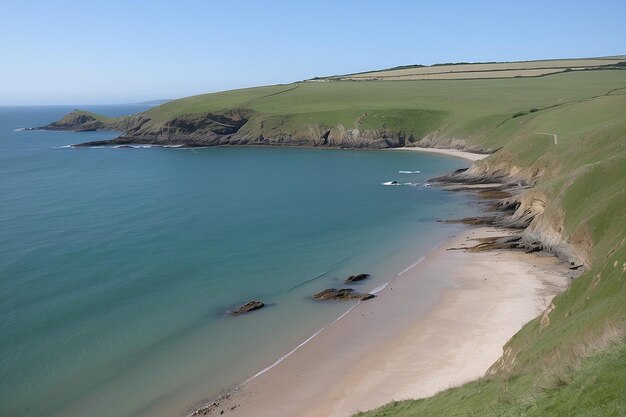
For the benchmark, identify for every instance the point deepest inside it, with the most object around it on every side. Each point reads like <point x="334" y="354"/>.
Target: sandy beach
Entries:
<point x="470" y="156"/>
<point x="414" y="339"/>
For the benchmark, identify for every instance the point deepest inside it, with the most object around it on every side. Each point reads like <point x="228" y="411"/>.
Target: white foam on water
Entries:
<point x="389" y="183"/>
<point x="419" y="261"/>
<point x="409" y="172"/>
<point x="19" y="129"/>
<point x="379" y="288"/>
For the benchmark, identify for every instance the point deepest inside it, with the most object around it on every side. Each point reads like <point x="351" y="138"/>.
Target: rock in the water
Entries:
<point x="247" y="307"/>
<point x="341" y="294"/>
<point x="355" y="278"/>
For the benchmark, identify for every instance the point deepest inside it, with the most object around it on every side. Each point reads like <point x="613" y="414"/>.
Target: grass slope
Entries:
<point x="444" y="110"/>
<point x="597" y="388"/>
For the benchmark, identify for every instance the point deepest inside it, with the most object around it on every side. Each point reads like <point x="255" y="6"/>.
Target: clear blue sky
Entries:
<point x="90" y="52"/>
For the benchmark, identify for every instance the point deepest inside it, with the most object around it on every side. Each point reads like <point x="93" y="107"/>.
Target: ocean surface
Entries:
<point x="117" y="266"/>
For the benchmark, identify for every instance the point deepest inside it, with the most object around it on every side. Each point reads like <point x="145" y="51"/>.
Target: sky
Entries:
<point x="106" y="52"/>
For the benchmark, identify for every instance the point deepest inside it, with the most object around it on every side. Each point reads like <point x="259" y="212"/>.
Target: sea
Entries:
<point x="118" y="266"/>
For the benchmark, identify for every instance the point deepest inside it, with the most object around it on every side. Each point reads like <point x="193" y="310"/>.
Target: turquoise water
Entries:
<point x="117" y="265"/>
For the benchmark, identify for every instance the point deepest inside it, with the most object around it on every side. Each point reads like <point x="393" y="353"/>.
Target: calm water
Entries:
<point x="117" y="265"/>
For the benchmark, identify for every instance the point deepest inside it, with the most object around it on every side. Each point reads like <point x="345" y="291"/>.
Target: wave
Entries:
<point x="64" y="147"/>
<point x="19" y="129"/>
<point x="410" y="184"/>
<point x="318" y="276"/>
<point x="131" y="146"/>
<point x="379" y="288"/>
<point x="409" y="172"/>
<point x="419" y="261"/>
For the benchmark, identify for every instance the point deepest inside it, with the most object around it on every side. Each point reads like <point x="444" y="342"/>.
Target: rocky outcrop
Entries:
<point x="342" y="294"/>
<point x="355" y="278"/>
<point x="523" y="208"/>
<point x="82" y="121"/>
<point x="248" y="307"/>
<point x="76" y="121"/>
<point x="193" y="130"/>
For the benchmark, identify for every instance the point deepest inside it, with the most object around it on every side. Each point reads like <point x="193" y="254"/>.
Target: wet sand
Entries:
<point x="441" y="323"/>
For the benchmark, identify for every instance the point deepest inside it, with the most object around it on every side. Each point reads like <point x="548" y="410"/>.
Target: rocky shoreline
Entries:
<point x="511" y="202"/>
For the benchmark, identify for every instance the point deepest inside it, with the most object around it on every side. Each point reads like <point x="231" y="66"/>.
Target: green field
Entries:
<point x="576" y="365"/>
<point x="453" y="108"/>
<point x="483" y="70"/>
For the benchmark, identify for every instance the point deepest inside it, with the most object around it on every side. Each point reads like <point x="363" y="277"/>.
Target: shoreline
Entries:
<point x="469" y="156"/>
<point x="391" y="348"/>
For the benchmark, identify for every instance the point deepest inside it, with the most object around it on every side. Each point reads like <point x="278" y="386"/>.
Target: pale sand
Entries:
<point x="470" y="156"/>
<point x="440" y="324"/>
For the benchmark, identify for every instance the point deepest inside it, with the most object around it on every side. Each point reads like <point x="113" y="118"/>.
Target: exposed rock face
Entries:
<point x="80" y="121"/>
<point x="248" y="307"/>
<point x="522" y="209"/>
<point x="355" y="278"/>
<point x="333" y="137"/>
<point x="76" y="121"/>
<point x="231" y="127"/>
<point x="341" y="294"/>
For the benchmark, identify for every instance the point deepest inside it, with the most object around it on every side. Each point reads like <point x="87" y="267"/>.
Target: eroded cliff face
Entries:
<point x="529" y="208"/>
<point x="199" y="129"/>
<point x="337" y="136"/>
<point x="231" y="127"/>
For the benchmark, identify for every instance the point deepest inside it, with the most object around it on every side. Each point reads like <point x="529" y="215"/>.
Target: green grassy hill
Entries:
<point x="440" y="110"/>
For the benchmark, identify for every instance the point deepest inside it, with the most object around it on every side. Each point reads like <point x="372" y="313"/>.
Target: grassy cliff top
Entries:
<point x="442" y="110"/>
<point x="464" y="98"/>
